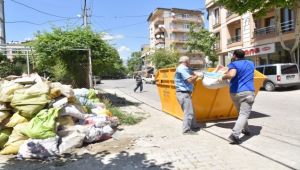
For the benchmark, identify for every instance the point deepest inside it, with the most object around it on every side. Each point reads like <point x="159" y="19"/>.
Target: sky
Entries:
<point x="124" y="21"/>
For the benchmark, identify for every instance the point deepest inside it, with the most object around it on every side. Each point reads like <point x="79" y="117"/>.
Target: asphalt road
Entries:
<point x="275" y="121"/>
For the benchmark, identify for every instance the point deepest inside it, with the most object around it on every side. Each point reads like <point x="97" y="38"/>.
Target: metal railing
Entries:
<point x="217" y="46"/>
<point x="265" y="30"/>
<point x="228" y="14"/>
<point x="287" y="26"/>
<point x="234" y="39"/>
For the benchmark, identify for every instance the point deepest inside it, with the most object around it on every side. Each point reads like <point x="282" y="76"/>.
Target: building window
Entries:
<point x="172" y="36"/>
<point x="217" y="16"/>
<point x="238" y="32"/>
<point x="186" y="26"/>
<point x="186" y="16"/>
<point x="217" y="46"/>
<point x="287" y="20"/>
<point x="257" y="23"/>
<point x="270" y="21"/>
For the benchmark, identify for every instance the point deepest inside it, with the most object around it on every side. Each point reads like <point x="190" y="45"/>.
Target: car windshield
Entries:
<point x="289" y="69"/>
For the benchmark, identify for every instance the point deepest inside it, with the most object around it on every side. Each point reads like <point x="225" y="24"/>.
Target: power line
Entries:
<point x="43" y="12"/>
<point x="120" y="17"/>
<point x="43" y="23"/>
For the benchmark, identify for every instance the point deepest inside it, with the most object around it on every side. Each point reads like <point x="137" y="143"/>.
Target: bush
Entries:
<point x="7" y="68"/>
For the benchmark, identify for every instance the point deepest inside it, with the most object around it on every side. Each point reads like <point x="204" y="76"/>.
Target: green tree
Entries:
<point x="164" y="58"/>
<point x="261" y="7"/>
<point x="135" y="62"/>
<point x="7" y="67"/>
<point x="55" y="55"/>
<point x="201" y="40"/>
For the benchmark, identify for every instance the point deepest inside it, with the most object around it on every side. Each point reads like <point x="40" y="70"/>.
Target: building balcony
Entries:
<point x="230" y="15"/>
<point x="160" y="41"/>
<point x="287" y="26"/>
<point x="234" y="41"/>
<point x="158" y="20"/>
<point x="272" y="31"/>
<point x="265" y="32"/>
<point x="187" y="19"/>
<point x="179" y="29"/>
<point x="217" y="24"/>
<point x="217" y="46"/>
<point x="178" y="41"/>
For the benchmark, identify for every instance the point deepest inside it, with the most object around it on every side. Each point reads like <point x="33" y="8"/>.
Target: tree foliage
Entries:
<point x="260" y="7"/>
<point x="135" y="62"/>
<point x="7" y="67"/>
<point x="164" y="58"/>
<point x="56" y="55"/>
<point x="200" y="39"/>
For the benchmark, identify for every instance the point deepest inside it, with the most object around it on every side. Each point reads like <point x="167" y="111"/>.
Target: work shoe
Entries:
<point x="195" y="129"/>
<point x="246" y="132"/>
<point x="190" y="132"/>
<point x="234" y="139"/>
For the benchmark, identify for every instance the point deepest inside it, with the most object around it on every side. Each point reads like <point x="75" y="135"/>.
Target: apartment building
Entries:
<point x="257" y="36"/>
<point x="147" y="63"/>
<point x="169" y="29"/>
<point x="2" y="23"/>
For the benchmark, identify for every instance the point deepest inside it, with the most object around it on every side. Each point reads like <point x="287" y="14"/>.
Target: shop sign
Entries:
<point x="260" y="50"/>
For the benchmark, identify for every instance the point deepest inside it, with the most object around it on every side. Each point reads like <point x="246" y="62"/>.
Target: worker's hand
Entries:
<point x="220" y="79"/>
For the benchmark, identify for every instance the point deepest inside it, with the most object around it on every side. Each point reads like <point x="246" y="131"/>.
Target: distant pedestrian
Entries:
<point x="184" y="80"/>
<point x="241" y="75"/>
<point x="139" y="83"/>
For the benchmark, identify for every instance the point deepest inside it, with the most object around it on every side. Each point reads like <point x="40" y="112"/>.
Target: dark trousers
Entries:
<point x="139" y="84"/>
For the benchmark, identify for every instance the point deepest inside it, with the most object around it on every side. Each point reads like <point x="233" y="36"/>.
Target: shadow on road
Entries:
<point x="116" y="100"/>
<point x="284" y="89"/>
<point x="123" y="160"/>
<point x="255" y="115"/>
<point x="254" y="130"/>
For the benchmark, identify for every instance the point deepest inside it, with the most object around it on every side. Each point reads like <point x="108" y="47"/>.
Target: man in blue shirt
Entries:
<point x="241" y="75"/>
<point x="184" y="80"/>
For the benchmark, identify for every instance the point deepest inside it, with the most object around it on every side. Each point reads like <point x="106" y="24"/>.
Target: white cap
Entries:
<point x="183" y="59"/>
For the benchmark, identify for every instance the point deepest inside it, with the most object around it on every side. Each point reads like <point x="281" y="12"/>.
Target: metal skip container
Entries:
<point x="209" y="104"/>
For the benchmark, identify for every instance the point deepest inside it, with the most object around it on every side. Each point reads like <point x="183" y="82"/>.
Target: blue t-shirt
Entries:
<point x="243" y="80"/>
<point x="182" y="74"/>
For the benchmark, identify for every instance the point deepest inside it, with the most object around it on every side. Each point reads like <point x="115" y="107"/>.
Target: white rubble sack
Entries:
<point x="39" y="148"/>
<point x="211" y="80"/>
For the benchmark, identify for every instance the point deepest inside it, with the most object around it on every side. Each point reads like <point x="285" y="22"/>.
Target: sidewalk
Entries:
<point x="159" y="138"/>
<point x="157" y="143"/>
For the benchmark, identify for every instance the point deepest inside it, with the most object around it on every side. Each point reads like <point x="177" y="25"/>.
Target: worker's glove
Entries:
<point x="200" y="75"/>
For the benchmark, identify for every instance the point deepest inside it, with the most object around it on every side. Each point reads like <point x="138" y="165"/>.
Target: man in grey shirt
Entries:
<point x="184" y="80"/>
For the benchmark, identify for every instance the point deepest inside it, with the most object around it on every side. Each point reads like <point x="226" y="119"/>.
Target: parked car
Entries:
<point x="280" y="75"/>
<point x="149" y="79"/>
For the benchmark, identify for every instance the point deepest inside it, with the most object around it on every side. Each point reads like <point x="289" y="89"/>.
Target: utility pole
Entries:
<point x="84" y="14"/>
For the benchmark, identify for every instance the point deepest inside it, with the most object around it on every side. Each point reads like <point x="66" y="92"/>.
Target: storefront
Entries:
<point x="266" y="54"/>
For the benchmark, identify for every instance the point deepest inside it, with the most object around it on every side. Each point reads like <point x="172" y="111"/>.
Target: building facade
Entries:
<point x="2" y="23"/>
<point x="257" y="36"/>
<point x="148" y="66"/>
<point x="169" y="29"/>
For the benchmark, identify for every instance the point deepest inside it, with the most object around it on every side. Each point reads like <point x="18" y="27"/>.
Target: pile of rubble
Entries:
<point x="42" y="119"/>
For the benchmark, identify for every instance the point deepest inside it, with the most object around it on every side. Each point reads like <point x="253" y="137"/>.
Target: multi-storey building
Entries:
<point x="2" y="23"/>
<point x="147" y="64"/>
<point x="169" y="29"/>
<point x="257" y="36"/>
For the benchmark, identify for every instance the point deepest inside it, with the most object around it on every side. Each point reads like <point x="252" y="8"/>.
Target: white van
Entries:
<point x="149" y="79"/>
<point x="280" y="75"/>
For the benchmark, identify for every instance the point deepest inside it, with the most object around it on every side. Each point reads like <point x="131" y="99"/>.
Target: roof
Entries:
<point x="173" y="9"/>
